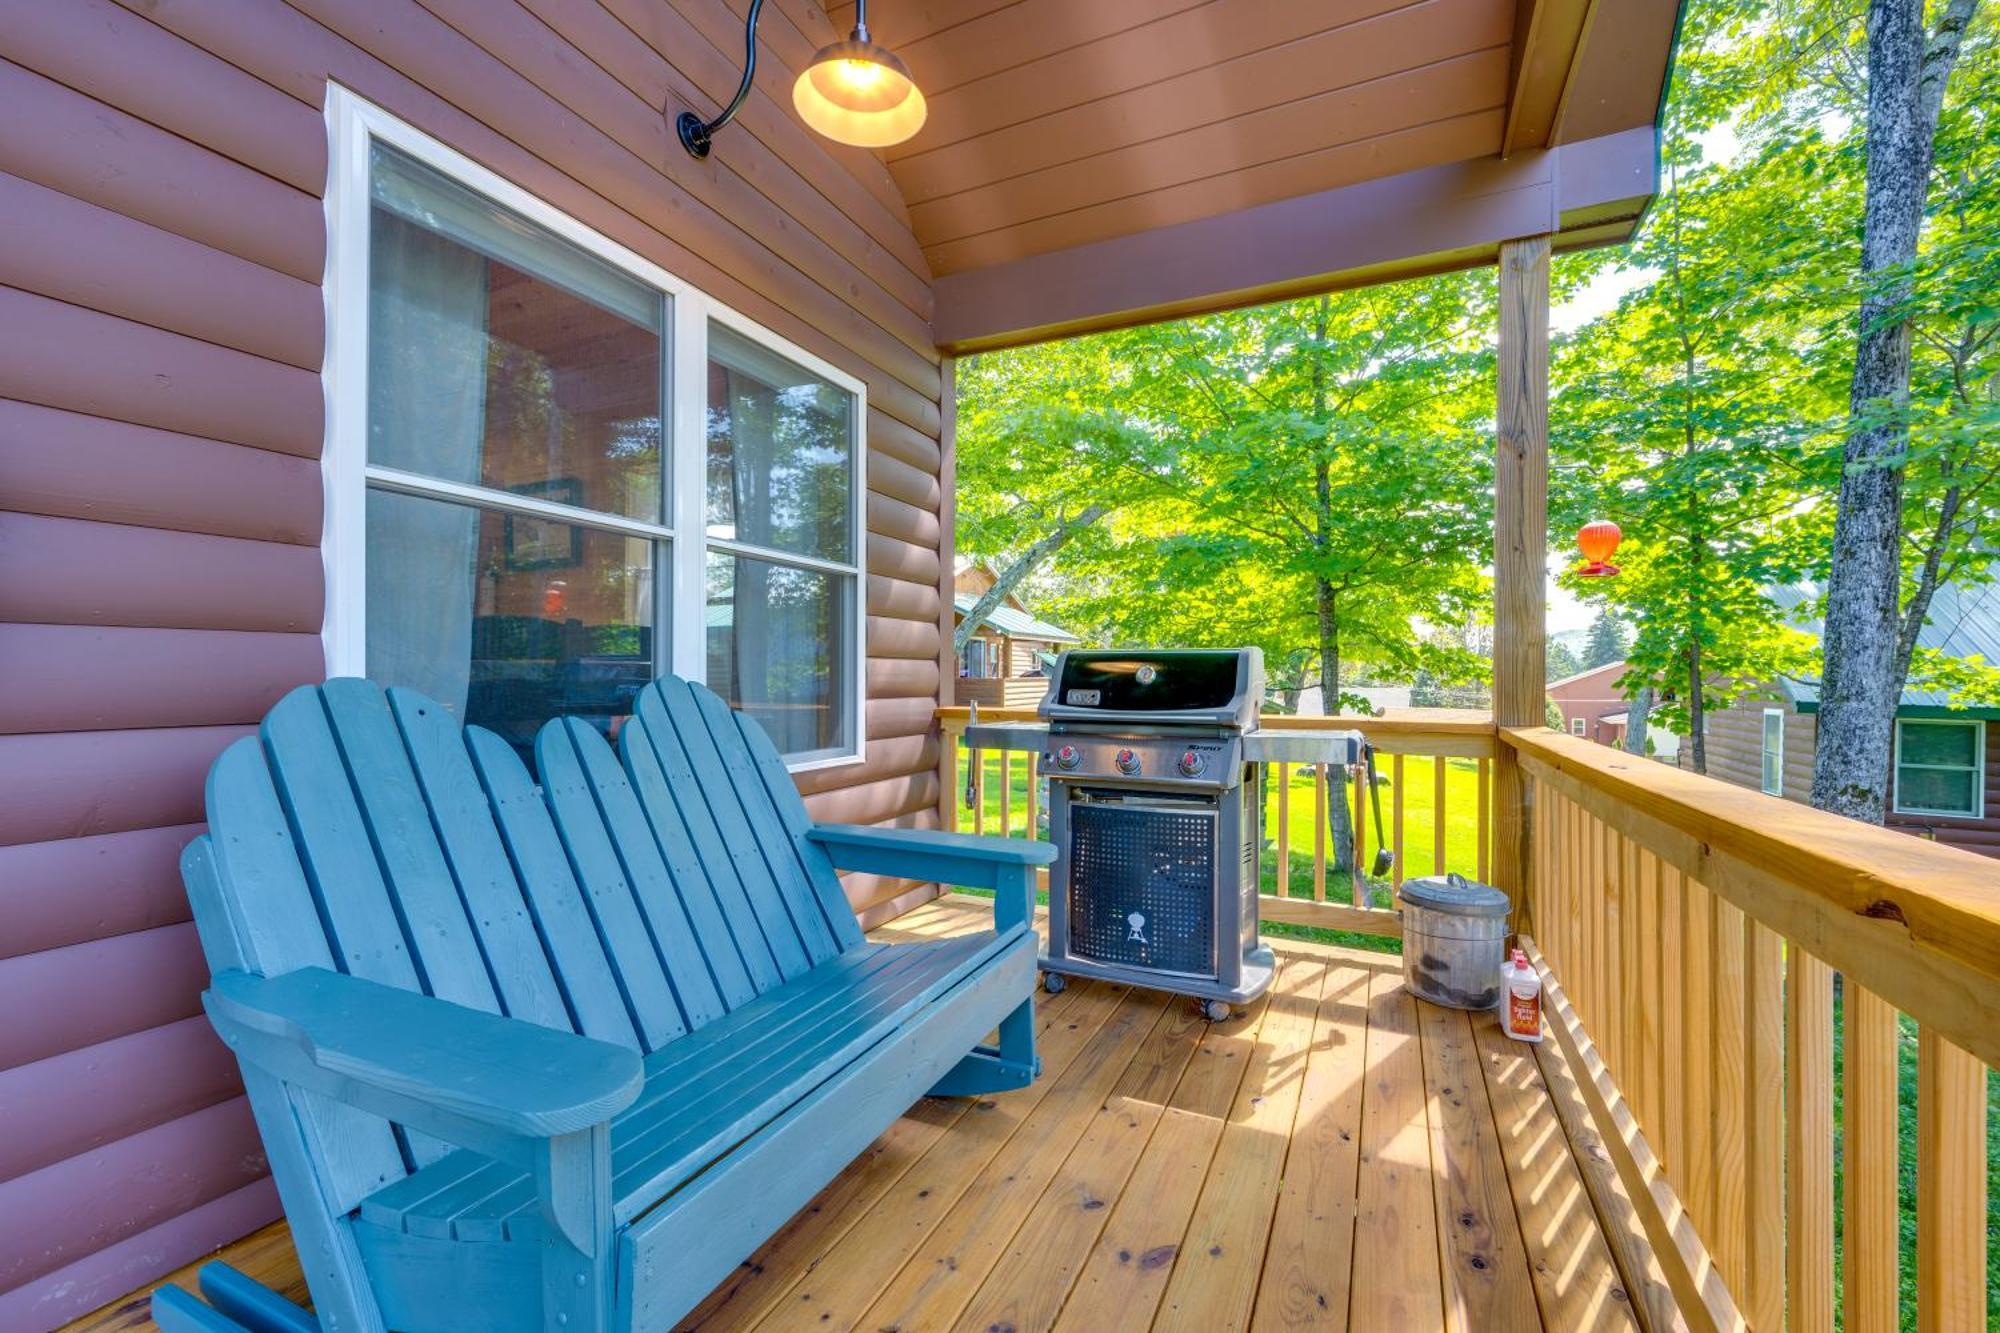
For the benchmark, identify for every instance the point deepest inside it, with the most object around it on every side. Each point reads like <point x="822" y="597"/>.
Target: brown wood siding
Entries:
<point x="1735" y="754"/>
<point x="161" y="335"/>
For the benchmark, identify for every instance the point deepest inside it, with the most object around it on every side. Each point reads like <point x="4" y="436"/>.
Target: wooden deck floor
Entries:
<point x="1337" y="1157"/>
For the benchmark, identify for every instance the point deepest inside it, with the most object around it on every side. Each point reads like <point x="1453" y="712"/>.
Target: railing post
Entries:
<point x="1520" y="545"/>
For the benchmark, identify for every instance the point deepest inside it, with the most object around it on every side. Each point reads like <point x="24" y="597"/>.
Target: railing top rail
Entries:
<point x="1917" y="922"/>
<point x="1395" y="722"/>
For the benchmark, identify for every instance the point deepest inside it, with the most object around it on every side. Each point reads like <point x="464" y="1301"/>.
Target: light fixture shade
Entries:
<point x="855" y="92"/>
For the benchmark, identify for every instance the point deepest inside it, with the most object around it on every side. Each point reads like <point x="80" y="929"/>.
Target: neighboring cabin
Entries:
<point x="1004" y="665"/>
<point x="1590" y="703"/>
<point x="1946" y="783"/>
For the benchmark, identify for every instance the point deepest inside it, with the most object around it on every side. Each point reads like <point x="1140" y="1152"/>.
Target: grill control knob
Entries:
<point x="1191" y="764"/>
<point x="1127" y="761"/>
<point x="1067" y="757"/>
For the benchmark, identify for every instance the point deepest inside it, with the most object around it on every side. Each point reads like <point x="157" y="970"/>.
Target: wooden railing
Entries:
<point x="1436" y="766"/>
<point x="1716" y="958"/>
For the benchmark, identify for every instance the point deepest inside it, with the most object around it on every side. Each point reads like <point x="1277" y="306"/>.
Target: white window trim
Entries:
<point x="1978" y="726"/>
<point x="1576" y="726"/>
<point x="352" y="124"/>
<point x="1763" y="737"/>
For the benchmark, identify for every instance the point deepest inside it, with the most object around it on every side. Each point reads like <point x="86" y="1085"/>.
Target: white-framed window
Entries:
<point x="1773" y="749"/>
<point x="1576" y="726"/>
<point x="1941" y="767"/>
<point x="554" y="470"/>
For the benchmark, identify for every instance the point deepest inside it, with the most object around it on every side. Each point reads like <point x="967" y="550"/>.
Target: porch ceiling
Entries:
<point x="1089" y="165"/>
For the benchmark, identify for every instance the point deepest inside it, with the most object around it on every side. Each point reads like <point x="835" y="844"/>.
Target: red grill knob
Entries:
<point x="1192" y="764"/>
<point x="1067" y="757"/>
<point x="1127" y="761"/>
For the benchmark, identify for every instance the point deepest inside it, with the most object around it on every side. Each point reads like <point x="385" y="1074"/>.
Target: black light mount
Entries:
<point x="853" y="92"/>
<point x="696" y="133"/>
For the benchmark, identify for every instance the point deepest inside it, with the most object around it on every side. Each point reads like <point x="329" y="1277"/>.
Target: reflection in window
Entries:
<point x="780" y="452"/>
<point x="503" y="358"/>
<point x="774" y="636"/>
<point x="559" y="620"/>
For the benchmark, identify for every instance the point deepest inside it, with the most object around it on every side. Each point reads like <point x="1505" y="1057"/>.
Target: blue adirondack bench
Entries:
<point x="561" y="1055"/>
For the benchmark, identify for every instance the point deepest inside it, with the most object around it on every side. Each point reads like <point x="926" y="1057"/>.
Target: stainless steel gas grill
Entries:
<point x="1154" y="760"/>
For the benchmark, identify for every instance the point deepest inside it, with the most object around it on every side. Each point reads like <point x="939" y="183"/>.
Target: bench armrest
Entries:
<point x="495" y="1085"/>
<point x="1004" y="865"/>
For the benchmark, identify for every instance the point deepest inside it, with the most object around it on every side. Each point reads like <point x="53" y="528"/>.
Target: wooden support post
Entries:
<point x="1520" y="544"/>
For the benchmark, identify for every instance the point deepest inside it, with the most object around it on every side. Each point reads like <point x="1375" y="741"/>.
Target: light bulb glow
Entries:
<point x="855" y="92"/>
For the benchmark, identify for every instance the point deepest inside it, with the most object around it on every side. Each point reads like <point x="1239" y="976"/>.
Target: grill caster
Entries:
<point x="1215" y="1011"/>
<point x="1055" y="983"/>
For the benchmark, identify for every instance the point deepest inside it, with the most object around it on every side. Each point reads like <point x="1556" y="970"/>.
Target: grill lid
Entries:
<point x="1167" y="686"/>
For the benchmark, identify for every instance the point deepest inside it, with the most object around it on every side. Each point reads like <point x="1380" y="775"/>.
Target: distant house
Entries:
<point x="1946" y="783"/>
<point x="1005" y="663"/>
<point x="1591" y="705"/>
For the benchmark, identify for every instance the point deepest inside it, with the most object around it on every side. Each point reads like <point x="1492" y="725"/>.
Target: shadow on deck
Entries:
<point x="1338" y="1156"/>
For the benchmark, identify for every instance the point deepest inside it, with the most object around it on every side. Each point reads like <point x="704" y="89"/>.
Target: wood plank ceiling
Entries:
<point x="1055" y="123"/>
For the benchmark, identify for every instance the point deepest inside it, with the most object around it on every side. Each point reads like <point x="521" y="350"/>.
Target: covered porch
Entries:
<point x="1707" y="1098"/>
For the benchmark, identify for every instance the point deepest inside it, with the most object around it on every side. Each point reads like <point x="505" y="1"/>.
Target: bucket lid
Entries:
<point x="1455" y="895"/>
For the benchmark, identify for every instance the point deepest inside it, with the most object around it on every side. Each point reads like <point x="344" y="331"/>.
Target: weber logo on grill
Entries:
<point x="1083" y="698"/>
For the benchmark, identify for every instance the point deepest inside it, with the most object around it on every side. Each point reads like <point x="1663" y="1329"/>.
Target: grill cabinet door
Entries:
<point x="1142" y="884"/>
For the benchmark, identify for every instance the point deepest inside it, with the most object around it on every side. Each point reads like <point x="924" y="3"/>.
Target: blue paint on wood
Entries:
<point x="632" y="1000"/>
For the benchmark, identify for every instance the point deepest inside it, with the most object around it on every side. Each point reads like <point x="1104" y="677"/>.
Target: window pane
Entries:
<point x="780" y="648"/>
<point x="780" y="452"/>
<point x="507" y="621"/>
<point x="1947" y="743"/>
<point x="501" y="355"/>
<point x="1935" y="789"/>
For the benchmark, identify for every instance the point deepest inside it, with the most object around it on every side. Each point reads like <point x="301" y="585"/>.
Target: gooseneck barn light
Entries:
<point x="853" y="92"/>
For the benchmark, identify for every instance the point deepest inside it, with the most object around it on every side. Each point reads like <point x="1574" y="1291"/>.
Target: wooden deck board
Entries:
<point x="1308" y="1164"/>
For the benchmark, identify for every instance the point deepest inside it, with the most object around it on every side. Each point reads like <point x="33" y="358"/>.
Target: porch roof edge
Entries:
<point x="1432" y="220"/>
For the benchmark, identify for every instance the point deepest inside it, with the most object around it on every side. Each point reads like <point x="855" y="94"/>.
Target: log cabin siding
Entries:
<point x="1735" y="755"/>
<point x="162" y="240"/>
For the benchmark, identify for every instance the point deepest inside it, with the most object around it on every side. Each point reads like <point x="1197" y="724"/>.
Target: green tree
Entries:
<point x="1562" y="663"/>
<point x="1606" y="643"/>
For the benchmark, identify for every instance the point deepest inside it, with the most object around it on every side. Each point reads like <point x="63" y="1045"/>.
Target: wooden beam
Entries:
<point x="1520" y="545"/>
<point x="1432" y="220"/>
<point x="1548" y="38"/>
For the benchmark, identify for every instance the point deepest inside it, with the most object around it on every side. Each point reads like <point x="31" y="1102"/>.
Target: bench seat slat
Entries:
<point x="757" y="1062"/>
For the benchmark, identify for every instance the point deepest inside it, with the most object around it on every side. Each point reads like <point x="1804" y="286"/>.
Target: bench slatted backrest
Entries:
<point x="367" y="831"/>
<point x="712" y="777"/>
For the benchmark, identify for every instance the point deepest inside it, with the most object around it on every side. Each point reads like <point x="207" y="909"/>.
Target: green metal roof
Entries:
<point x="1014" y="624"/>
<point x="1964" y="622"/>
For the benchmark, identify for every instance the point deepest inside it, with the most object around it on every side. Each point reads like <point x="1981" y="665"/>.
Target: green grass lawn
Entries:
<point x="1906" y="1169"/>
<point x="1297" y="807"/>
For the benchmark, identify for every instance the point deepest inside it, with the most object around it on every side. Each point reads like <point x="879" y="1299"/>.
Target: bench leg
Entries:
<point x="237" y="1304"/>
<point x="1012" y="1064"/>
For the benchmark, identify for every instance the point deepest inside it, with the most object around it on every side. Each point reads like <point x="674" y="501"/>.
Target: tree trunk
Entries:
<point x="1637" y="711"/>
<point x="1697" y="710"/>
<point x="1025" y="564"/>
<point x="1860" y="682"/>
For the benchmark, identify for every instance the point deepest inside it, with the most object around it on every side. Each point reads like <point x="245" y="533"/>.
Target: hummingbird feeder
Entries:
<point x="1597" y="540"/>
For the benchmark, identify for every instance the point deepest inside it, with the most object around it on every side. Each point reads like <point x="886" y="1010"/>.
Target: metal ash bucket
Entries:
<point x="1454" y="940"/>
